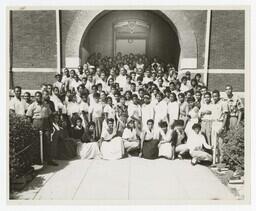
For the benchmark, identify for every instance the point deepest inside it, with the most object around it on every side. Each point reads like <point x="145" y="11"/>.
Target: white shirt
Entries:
<point x="161" y="110"/>
<point x="134" y="110"/>
<point x="197" y="141"/>
<point x="129" y="135"/>
<point x="147" y="112"/>
<point x="173" y="110"/>
<point x="96" y="110"/>
<point x="121" y="79"/>
<point x="19" y="106"/>
<point x="184" y="88"/>
<point x="72" y="108"/>
<point x="110" y="111"/>
<point x="206" y="107"/>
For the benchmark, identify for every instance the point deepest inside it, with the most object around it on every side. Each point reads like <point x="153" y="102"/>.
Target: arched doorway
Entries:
<point x="136" y="31"/>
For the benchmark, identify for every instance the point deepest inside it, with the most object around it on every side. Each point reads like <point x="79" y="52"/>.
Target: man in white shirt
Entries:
<point x="121" y="79"/>
<point x="219" y="116"/>
<point x="147" y="111"/>
<point x="195" y="143"/>
<point x="184" y="86"/>
<point x="17" y="104"/>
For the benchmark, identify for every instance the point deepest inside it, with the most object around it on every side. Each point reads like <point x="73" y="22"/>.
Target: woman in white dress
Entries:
<point x="165" y="146"/>
<point x="130" y="139"/>
<point x="112" y="147"/>
<point x="88" y="147"/>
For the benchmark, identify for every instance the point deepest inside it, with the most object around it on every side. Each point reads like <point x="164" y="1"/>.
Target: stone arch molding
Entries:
<point x="177" y="19"/>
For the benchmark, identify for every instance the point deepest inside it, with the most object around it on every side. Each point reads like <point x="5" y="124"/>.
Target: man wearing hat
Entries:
<point x="58" y="83"/>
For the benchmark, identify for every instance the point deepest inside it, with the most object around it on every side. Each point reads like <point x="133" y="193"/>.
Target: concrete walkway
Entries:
<point x="126" y="179"/>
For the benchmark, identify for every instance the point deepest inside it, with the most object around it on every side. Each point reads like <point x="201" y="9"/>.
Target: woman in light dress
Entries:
<point x="111" y="145"/>
<point x="88" y="148"/>
<point x="130" y="139"/>
<point x="166" y="147"/>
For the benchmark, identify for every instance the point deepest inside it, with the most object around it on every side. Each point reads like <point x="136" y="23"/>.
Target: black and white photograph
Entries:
<point x="128" y="105"/>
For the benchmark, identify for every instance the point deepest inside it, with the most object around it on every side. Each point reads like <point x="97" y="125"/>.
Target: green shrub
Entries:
<point x="233" y="148"/>
<point x="23" y="146"/>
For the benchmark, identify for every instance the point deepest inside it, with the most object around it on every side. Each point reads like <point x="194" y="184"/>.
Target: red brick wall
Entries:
<point x="34" y="39"/>
<point x="227" y="40"/>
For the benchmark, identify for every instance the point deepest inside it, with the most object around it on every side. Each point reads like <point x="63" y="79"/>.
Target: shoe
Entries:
<point x="194" y="161"/>
<point x="52" y="163"/>
<point x="180" y="157"/>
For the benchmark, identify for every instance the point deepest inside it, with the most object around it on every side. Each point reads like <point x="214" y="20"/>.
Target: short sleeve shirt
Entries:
<point x="19" y="106"/>
<point x="219" y="109"/>
<point x="235" y="104"/>
<point x="39" y="111"/>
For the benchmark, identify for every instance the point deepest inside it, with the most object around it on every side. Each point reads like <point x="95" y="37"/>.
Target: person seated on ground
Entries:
<point x="77" y="131"/>
<point x="64" y="146"/>
<point x="165" y="146"/>
<point x="130" y="139"/>
<point x="179" y="139"/>
<point x="196" y="144"/>
<point x="111" y="145"/>
<point x="149" y="141"/>
<point x="88" y="147"/>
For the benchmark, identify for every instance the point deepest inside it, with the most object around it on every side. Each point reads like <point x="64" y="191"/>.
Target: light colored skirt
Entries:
<point x="112" y="150"/>
<point x="88" y="150"/>
<point x="166" y="150"/>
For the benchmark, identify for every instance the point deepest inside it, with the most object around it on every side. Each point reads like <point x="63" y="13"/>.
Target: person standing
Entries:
<point x="219" y="116"/>
<point x="147" y="110"/>
<point x="17" y="104"/>
<point x="235" y="108"/>
<point x="160" y="110"/>
<point x="205" y="115"/>
<point x="40" y="114"/>
<point x="173" y="109"/>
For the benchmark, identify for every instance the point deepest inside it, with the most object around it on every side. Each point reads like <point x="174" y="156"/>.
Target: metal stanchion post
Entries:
<point x="41" y="147"/>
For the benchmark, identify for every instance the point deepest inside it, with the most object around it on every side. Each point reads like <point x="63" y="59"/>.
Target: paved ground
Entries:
<point x="127" y="179"/>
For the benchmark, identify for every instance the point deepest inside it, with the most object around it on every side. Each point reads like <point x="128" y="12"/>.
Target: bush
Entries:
<point x="233" y="148"/>
<point x="23" y="146"/>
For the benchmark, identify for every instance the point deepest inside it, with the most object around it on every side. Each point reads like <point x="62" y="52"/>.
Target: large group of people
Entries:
<point x="129" y="105"/>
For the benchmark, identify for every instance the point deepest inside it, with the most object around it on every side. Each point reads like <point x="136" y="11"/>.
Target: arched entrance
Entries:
<point x="77" y="39"/>
<point x="143" y="32"/>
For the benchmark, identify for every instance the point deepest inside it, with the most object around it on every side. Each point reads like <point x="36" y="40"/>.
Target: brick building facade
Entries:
<point x="44" y="42"/>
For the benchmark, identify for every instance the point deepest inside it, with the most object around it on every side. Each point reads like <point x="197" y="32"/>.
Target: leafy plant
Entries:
<point x="23" y="146"/>
<point x="233" y="148"/>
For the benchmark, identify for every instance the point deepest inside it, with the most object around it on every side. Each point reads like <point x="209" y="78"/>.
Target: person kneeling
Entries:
<point x="130" y="139"/>
<point x="88" y="147"/>
<point x="196" y="144"/>
<point x="150" y="141"/>
<point x="111" y="146"/>
<point x="166" y="147"/>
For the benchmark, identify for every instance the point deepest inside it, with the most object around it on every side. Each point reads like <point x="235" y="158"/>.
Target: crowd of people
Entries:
<point x="129" y="105"/>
